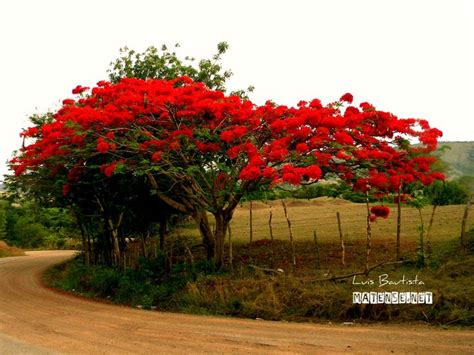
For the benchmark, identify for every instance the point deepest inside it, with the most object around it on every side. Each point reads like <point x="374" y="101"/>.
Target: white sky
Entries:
<point x="414" y="58"/>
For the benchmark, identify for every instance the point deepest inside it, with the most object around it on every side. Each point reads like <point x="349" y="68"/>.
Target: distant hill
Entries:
<point x="459" y="156"/>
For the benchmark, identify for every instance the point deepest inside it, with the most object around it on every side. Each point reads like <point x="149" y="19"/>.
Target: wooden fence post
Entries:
<point x="464" y="219"/>
<point x="369" y="232"/>
<point x="251" y="222"/>
<point x="230" y="249"/>
<point x="293" y="253"/>
<point x="428" y="234"/>
<point x="399" y="219"/>
<point x="318" y="257"/>
<point x="271" y="236"/>
<point x="341" y="239"/>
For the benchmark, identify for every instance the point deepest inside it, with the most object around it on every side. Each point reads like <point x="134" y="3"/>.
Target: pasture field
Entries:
<point x="320" y="214"/>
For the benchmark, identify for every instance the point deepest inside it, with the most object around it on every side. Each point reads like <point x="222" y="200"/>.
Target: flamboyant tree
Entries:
<point x="202" y="150"/>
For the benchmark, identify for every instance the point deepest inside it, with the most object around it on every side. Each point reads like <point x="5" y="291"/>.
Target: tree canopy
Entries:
<point x="200" y="150"/>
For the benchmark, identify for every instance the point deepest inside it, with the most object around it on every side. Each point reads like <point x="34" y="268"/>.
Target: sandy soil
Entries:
<point x="36" y="320"/>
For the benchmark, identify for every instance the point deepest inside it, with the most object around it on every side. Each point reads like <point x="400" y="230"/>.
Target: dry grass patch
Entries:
<point x="6" y="250"/>
<point x="320" y="214"/>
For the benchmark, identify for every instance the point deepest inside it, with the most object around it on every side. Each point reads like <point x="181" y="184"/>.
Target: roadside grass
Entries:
<point x="6" y="250"/>
<point x="253" y="289"/>
<point x="301" y="296"/>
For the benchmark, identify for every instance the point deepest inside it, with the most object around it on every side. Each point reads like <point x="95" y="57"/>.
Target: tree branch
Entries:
<point x="333" y="278"/>
<point x="169" y="201"/>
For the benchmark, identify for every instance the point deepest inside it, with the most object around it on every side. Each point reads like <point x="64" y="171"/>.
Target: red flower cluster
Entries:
<point x="181" y="123"/>
<point x="347" y="97"/>
<point x="109" y="169"/>
<point x="379" y="211"/>
<point x="79" y="89"/>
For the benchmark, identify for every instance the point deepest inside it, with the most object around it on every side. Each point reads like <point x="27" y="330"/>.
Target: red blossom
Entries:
<point x="168" y="119"/>
<point x="343" y="138"/>
<point x="109" y="169"/>
<point x="79" y="89"/>
<point x="438" y="176"/>
<point x="302" y="148"/>
<point x="156" y="156"/>
<point x="380" y="211"/>
<point x="68" y="102"/>
<point x="250" y="172"/>
<point x="347" y="97"/>
<point x="270" y="173"/>
<point x="102" y="146"/>
<point x="366" y="106"/>
<point x="30" y="132"/>
<point x="313" y="172"/>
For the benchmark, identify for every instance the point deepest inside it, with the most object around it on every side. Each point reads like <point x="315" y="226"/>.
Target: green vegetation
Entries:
<point x="254" y="293"/>
<point x="28" y="225"/>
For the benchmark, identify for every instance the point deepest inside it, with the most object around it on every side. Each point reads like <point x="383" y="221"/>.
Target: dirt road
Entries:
<point x="36" y="320"/>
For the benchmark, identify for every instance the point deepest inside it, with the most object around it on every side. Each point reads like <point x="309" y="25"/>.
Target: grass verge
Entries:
<point x="254" y="293"/>
<point x="6" y="250"/>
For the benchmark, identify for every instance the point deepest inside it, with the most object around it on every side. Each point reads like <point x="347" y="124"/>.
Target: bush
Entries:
<point x="443" y="193"/>
<point x="146" y="286"/>
<point x="28" y="233"/>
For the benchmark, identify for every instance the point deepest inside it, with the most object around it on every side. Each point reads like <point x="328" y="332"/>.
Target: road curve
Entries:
<point x="36" y="320"/>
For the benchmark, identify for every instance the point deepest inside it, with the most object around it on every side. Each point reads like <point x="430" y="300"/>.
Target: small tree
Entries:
<point x="419" y="201"/>
<point x="442" y="193"/>
<point x="3" y="218"/>
<point x="162" y="63"/>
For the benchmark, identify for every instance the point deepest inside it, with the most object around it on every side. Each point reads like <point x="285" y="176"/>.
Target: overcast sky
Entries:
<point x="414" y="58"/>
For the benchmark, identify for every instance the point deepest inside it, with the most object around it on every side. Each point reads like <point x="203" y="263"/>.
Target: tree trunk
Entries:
<point x="369" y="234"/>
<point x="145" y="235"/>
<point x="271" y="237"/>
<point x="428" y="233"/>
<point x="116" y="247"/>
<point x="205" y="230"/>
<point x="114" y="230"/>
<point x="341" y="239"/>
<point x="85" y="246"/>
<point x="219" y="238"/>
<point x="422" y="234"/>
<point x="162" y="234"/>
<point x="251" y="222"/>
<point x="231" y="264"/>
<point x="290" y="230"/>
<point x="399" y="220"/>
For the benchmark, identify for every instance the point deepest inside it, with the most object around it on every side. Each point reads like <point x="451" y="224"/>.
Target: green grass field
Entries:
<point x="320" y="214"/>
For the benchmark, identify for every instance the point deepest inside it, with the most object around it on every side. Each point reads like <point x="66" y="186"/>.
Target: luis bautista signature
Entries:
<point x="384" y="280"/>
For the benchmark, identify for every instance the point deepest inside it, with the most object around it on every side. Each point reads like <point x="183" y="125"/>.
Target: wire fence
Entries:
<point x="307" y="217"/>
